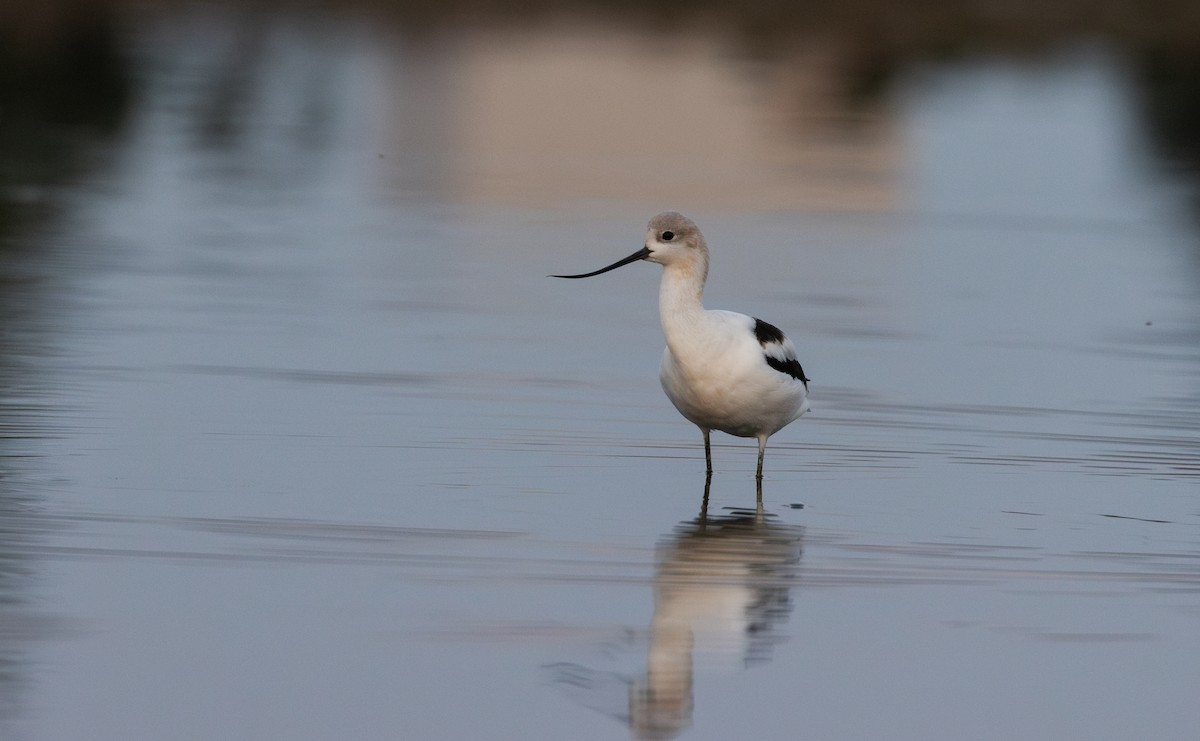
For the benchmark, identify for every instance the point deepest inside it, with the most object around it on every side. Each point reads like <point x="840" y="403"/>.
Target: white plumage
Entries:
<point x="722" y="370"/>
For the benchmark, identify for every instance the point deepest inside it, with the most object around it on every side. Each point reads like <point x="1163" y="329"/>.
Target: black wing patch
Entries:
<point x="772" y="339"/>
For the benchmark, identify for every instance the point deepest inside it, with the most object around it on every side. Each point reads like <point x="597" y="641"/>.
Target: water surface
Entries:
<point x="299" y="441"/>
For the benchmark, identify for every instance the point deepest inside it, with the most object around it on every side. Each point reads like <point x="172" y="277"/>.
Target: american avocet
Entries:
<point x="722" y="371"/>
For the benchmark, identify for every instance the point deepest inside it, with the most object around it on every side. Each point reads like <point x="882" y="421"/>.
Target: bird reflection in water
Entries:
<point x="721" y="589"/>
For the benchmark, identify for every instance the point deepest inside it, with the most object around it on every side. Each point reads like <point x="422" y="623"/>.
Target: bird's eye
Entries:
<point x="668" y="236"/>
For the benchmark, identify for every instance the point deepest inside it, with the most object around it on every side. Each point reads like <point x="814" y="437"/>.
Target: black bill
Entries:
<point x="641" y="254"/>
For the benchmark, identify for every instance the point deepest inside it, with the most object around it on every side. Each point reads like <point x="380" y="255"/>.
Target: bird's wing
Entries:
<point x="779" y="351"/>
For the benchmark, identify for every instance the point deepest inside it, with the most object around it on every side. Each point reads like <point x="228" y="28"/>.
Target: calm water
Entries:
<point x="298" y="441"/>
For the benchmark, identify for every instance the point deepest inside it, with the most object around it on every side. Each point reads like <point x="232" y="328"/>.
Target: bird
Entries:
<point x="722" y="370"/>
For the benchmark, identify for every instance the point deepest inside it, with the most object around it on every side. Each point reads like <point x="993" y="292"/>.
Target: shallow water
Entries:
<point x="299" y="441"/>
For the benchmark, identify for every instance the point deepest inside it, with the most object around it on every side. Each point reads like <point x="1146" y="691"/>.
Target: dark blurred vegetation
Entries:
<point x="63" y="88"/>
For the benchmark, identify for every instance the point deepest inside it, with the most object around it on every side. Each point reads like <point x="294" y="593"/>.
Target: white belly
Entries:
<point x="735" y="392"/>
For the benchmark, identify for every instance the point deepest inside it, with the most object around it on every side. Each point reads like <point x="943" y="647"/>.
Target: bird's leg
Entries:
<point x="704" y="503"/>
<point x="707" y="451"/>
<point x="762" y="448"/>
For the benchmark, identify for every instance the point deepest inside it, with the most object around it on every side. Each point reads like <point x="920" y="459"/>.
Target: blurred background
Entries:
<point x="296" y="438"/>
<point x="764" y="105"/>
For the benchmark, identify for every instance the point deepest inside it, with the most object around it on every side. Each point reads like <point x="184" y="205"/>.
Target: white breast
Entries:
<point x="715" y="373"/>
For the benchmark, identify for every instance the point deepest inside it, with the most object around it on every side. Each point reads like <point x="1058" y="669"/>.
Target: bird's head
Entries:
<point x="673" y="241"/>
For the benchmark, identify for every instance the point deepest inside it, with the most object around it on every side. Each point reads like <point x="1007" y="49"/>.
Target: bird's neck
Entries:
<point x="679" y="297"/>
